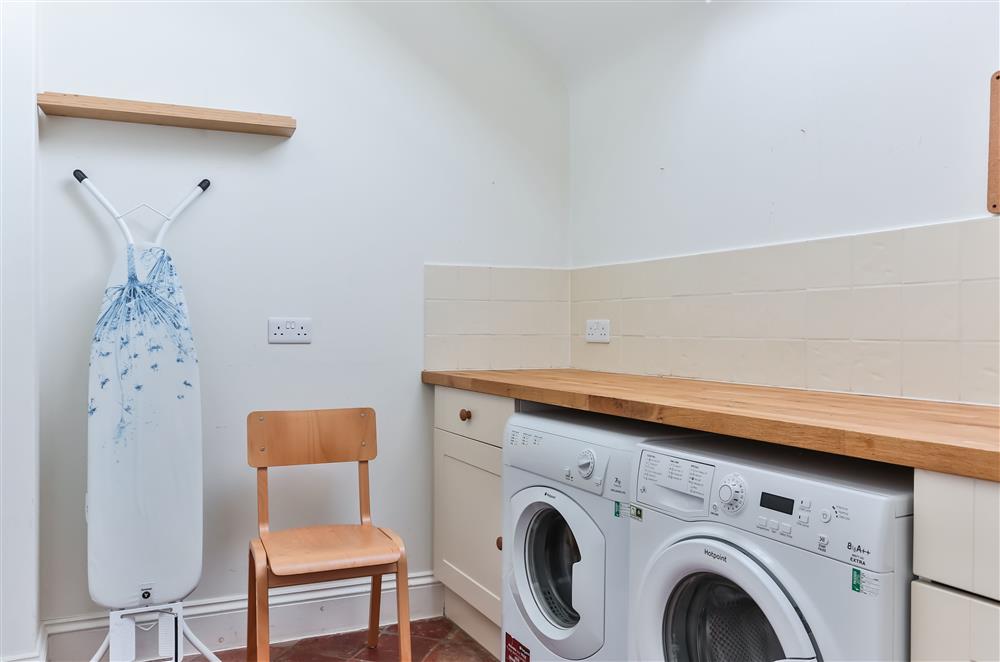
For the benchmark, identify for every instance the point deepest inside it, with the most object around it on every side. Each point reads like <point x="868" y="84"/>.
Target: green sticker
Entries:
<point x="855" y="580"/>
<point x="618" y="509"/>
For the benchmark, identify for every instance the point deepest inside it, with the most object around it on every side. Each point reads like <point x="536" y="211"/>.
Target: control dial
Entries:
<point x="732" y="493"/>
<point x="585" y="462"/>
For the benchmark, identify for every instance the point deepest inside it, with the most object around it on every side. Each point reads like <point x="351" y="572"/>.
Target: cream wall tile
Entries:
<point x="876" y="367"/>
<point x="529" y="284"/>
<point x="456" y="317"/>
<point x="528" y="317"/>
<point x="559" y="349"/>
<point x="980" y="319"/>
<point x="590" y="310"/>
<point x="766" y="315"/>
<point x="646" y="317"/>
<point x="596" y="283"/>
<point x="931" y="253"/>
<point x="448" y="282"/>
<point x="980" y="379"/>
<point x="828" y="263"/>
<point x="702" y="358"/>
<point x="931" y="311"/>
<point x="707" y="273"/>
<point x="645" y="356"/>
<point x="769" y="362"/>
<point x="980" y="248"/>
<point x="828" y="314"/>
<point x="766" y="268"/>
<point x="473" y="352"/>
<point x="604" y="357"/>
<point x="516" y="352"/>
<point x="931" y="370"/>
<point x="876" y="313"/>
<point x="701" y="316"/>
<point x="877" y="258"/>
<point x="440" y="352"/>
<point x="647" y="280"/>
<point x="828" y="365"/>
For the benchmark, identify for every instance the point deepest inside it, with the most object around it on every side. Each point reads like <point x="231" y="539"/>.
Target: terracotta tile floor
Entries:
<point x="432" y="640"/>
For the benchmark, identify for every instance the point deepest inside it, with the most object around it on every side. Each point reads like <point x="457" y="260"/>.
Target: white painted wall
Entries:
<point x="741" y="124"/>
<point x="19" y="510"/>
<point x="404" y="154"/>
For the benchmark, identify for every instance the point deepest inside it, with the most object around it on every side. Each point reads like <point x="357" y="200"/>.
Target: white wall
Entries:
<point x="18" y="329"/>
<point x="404" y="154"/>
<point x="744" y="124"/>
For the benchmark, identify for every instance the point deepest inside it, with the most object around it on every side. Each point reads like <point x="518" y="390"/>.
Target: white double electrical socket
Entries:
<point x="599" y="331"/>
<point x="289" y="330"/>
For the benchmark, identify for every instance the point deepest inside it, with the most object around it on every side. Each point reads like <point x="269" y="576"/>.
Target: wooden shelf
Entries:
<point x="939" y="436"/>
<point x="164" y="114"/>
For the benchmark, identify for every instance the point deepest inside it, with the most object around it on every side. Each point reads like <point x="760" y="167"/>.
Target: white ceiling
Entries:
<point x="578" y="35"/>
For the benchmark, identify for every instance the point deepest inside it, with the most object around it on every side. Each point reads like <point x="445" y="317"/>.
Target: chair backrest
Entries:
<point x="283" y="438"/>
<point x="316" y="436"/>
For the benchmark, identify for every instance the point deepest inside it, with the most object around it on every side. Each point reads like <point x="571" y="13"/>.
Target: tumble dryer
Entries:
<point x="565" y="552"/>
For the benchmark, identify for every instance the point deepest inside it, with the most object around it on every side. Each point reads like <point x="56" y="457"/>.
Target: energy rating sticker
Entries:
<point x="865" y="583"/>
<point x="635" y="512"/>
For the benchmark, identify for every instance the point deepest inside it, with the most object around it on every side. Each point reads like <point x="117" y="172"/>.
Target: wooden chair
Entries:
<point x="319" y="553"/>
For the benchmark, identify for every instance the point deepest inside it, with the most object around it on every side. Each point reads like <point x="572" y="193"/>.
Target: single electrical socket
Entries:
<point x="289" y="330"/>
<point x="599" y="331"/>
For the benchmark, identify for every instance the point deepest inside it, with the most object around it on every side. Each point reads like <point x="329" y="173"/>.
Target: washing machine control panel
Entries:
<point x="818" y="514"/>
<point x="597" y="469"/>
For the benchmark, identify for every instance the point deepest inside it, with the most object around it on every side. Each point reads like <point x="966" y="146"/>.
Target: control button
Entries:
<point x="823" y="540"/>
<point x="805" y="504"/>
<point x="585" y="462"/>
<point x="803" y="518"/>
<point x="598" y="482"/>
<point x="726" y="493"/>
<point x="786" y="529"/>
<point x="772" y="524"/>
<point x="761" y="522"/>
<point x="715" y="509"/>
<point x="824" y="515"/>
<point x="569" y="474"/>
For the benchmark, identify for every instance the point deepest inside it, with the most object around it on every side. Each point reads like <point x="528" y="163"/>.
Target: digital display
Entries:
<point x="778" y="503"/>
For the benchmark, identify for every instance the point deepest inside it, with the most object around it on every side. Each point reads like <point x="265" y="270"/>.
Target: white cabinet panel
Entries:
<point x="468" y="502"/>
<point x="488" y="414"/>
<point x="948" y="625"/>
<point x="956" y="532"/>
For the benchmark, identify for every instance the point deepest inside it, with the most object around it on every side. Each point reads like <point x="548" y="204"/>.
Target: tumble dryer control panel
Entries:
<point x="824" y="509"/>
<point x="587" y="466"/>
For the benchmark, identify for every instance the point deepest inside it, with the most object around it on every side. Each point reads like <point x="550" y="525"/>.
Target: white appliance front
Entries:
<point x="566" y="483"/>
<point x="762" y="554"/>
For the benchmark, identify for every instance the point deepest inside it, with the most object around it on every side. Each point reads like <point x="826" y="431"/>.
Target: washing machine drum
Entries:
<point x="704" y="600"/>
<point x="557" y="577"/>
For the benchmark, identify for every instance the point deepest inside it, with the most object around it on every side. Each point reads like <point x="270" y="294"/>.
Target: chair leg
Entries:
<point x="262" y="617"/>
<point x="403" y="609"/>
<point x="251" y="611"/>
<point x="374" y="608"/>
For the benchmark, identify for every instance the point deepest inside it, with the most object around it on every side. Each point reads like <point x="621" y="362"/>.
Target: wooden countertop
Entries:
<point x="939" y="436"/>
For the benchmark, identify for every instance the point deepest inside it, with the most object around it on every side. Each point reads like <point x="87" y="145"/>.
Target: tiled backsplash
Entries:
<point x="490" y="317"/>
<point x="911" y="312"/>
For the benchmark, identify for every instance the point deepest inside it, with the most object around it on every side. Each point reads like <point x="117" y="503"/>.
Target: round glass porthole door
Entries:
<point x="710" y="619"/>
<point x="706" y="600"/>
<point x="551" y="552"/>
<point x="557" y="572"/>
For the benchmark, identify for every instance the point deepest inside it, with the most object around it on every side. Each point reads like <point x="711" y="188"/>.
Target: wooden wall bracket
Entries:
<point x="993" y="168"/>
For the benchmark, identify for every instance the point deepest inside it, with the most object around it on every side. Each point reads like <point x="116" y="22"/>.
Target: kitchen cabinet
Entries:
<point x="468" y="508"/>
<point x="955" y="603"/>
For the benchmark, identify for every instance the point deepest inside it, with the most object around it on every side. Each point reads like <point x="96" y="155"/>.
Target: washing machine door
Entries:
<point x="705" y="600"/>
<point x="557" y="577"/>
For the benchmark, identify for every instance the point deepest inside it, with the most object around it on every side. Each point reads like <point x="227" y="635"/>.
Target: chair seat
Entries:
<point x="325" y="548"/>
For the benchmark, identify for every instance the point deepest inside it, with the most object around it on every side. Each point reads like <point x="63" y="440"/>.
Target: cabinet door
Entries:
<point x="474" y="415"/>
<point x="467" y="520"/>
<point x="949" y="625"/>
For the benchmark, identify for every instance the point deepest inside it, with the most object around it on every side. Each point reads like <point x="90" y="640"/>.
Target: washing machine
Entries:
<point x="754" y="552"/>
<point x="566" y="479"/>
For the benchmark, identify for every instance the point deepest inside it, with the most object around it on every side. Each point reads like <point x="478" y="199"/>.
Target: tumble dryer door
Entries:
<point x="704" y="600"/>
<point x="557" y="577"/>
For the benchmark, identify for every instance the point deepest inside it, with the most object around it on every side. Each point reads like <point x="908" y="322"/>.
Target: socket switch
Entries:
<point x="599" y="331"/>
<point x="289" y="330"/>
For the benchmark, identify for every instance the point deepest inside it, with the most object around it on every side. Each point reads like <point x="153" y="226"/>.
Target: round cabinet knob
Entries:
<point x="500" y="543"/>
<point x="464" y="415"/>
<point x="732" y="493"/>
<point x="585" y="462"/>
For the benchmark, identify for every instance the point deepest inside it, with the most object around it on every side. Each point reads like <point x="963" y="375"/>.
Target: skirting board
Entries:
<point x="296" y="612"/>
